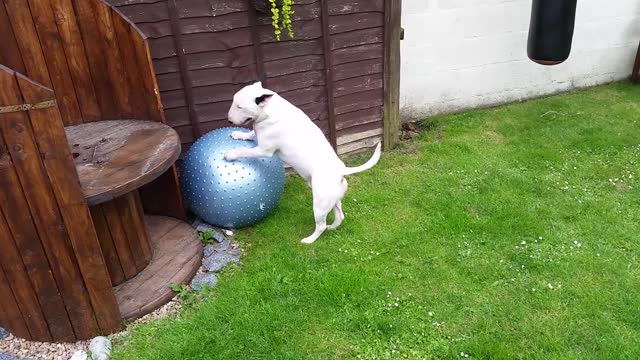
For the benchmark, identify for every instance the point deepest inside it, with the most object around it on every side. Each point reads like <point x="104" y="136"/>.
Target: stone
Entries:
<point x="202" y="280"/>
<point x="3" y="333"/>
<point x="219" y="247"/>
<point x="79" y="355"/>
<point x="217" y="261"/>
<point x="4" y="356"/>
<point x="100" y="348"/>
<point x="202" y="227"/>
<point x="218" y="236"/>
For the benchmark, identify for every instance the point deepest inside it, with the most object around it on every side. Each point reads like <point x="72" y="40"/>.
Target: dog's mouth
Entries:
<point x="247" y="120"/>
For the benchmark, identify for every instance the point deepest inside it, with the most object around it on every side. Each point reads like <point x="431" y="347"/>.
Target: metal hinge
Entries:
<point x="27" y="107"/>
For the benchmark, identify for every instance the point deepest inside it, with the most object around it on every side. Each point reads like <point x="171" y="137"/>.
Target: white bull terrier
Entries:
<point x="280" y="127"/>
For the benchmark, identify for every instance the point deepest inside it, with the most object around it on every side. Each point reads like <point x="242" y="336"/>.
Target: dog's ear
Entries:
<point x="263" y="100"/>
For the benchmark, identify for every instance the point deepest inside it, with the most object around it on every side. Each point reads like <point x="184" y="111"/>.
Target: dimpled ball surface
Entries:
<point x="228" y="194"/>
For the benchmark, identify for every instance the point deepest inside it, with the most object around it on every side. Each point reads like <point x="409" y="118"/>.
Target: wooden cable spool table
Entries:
<point x="144" y="254"/>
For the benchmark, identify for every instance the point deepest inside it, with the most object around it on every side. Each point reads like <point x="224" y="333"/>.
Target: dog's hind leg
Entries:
<point x="337" y="209"/>
<point x="339" y="216"/>
<point x="324" y="199"/>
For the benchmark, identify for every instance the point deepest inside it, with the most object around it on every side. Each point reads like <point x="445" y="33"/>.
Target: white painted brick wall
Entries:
<point x="461" y="54"/>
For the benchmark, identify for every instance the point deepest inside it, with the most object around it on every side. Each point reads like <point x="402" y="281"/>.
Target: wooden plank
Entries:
<point x="393" y="9"/>
<point x="74" y="246"/>
<point x="357" y="38"/>
<point x="136" y="201"/>
<point x="10" y="56"/>
<point x="132" y="74"/>
<point x="355" y="21"/>
<point x="257" y="48"/>
<point x="21" y="245"/>
<point x="358" y="53"/>
<point x="25" y="295"/>
<point x="635" y="74"/>
<point x="184" y="71"/>
<point x="134" y="228"/>
<point x="120" y="89"/>
<point x="358" y="84"/>
<point x="111" y="212"/>
<point x="328" y="66"/>
<point x="359" y="101"/>
<point x="109" y="252"/>
<point x="358" y="68"/>
<point x="98" y="55"/>
<point x="359" y="117"/>
<point x="27" y="38"/>
<point x="54" y="55"/>
<point x="76" y="60"/>
<point x="298" y="81"/>
<point x="149" y="83"/>
<point x="11" y="316"/>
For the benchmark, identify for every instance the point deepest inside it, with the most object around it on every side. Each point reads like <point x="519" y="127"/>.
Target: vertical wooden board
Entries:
<point x="21" y="245"/>
<point x="128" y="212"/>
<point x="132" y="73"/>
<point x="10" y="315"/>
<point x="96" y="54"/>
<point x="18" y="279"/>
<point x="27" y="38"/>
<point x="185" y="75"/>
<point x="329" y="80"/>
<point x="149" y="83"/>
<point x="391" y="65"/>
<point x="147" y="248"/>
<point x="163" y="197"/>
<point x="119" y="86"/>
<point x="106" y="244"/>
<point x="119" y="236"/>
<point x="18" y="136"/>
<point x="10" y="54"/>
<point x="76" y="59"/>
<point x="635" y="74"/>
<point x="45" y="23"/>
<point x="61" y="171"/>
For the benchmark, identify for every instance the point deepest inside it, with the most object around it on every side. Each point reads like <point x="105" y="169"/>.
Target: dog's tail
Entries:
<point x="368" y="165"/>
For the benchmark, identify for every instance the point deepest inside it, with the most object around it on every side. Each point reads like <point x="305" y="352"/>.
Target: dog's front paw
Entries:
<point x="231" y="155"/>
<point x="237" y="135"/>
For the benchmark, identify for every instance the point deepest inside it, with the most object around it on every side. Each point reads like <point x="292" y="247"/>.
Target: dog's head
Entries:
<point x="248" y="104"/>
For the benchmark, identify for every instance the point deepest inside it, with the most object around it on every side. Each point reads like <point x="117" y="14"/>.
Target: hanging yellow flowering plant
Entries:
<point x="281" y="17"/>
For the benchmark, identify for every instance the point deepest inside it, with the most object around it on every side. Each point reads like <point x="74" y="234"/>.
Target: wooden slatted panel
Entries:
<point x="10" y="311"/>
<point x="10" y="55"/>
<point x="24" y="29"/>
<point x="108" y="247"/>
<point x="54" y="55"/>
<point x="76" y="60"/>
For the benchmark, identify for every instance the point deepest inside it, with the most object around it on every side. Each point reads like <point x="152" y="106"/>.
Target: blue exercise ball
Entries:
<point x="230" y="194"/>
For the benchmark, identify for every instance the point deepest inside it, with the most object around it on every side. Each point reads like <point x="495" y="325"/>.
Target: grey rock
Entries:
<point x="218" y="236"/>
<point x="3" y="333"/>
<point x="4" y="356"/>
<point x="100" y="348"/>
<point x="217" y="261"/>
<point x="214" y="248"/>
<point x="202" y="280"/>
<point x="201" y="227"/>
<point x="234" y="251"/>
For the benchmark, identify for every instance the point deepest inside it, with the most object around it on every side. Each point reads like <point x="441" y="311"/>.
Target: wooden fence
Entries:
<point x="341" y="68"/>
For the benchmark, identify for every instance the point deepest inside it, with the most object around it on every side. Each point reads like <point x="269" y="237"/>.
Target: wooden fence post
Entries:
<point x="635" y="75"/>
<point x="392" y="13"/>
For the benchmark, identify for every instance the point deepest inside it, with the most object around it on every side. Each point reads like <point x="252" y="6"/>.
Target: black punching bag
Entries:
<point x="551" y="31"/>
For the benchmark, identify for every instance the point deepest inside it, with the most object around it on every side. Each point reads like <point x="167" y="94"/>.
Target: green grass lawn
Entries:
<point x="502" y="233"/>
